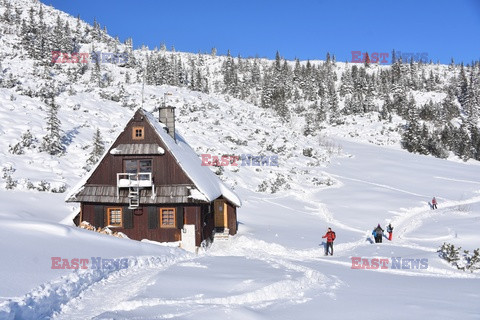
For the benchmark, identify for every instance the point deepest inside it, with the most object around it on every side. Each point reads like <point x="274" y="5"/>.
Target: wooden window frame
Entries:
<point x="134" y="133"/>
<point x="109" y="210"/>
<point x="174" y="225"/>
<point x="138" y="165"/>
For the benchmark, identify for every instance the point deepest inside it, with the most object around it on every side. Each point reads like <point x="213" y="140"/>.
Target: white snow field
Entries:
<point x="350" y="177"/>
<point x="274" y="268"/>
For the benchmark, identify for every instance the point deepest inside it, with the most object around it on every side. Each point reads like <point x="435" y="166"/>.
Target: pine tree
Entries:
<point x="333" y="101"/>
<point x="66" y="39"/>
<point x="411" y="136"/>
<point x="346" y="86"/>
<point x="449" y="108"/>
<point x="52" y="143"/>
<point x="98" y="148"/>
<point x="78" y="30"/>
<point x="255" y="75"/>
<point x="230" y="76"/>
<point x="367" y="60"/>
<point x="56" y="38"/>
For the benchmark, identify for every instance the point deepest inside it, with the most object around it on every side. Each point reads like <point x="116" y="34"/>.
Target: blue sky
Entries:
<point x="300" y="28"/>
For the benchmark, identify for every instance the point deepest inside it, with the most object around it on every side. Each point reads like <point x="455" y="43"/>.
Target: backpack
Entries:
<point x="333" y="235"/>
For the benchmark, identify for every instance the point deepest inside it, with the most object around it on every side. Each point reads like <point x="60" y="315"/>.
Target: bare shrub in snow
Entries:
<point x="331" y="147"/>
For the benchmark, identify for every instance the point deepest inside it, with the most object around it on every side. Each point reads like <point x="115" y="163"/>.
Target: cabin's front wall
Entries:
<point x="146" y="221"/>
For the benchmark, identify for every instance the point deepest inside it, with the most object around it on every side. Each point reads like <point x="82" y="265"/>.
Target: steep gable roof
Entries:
<point x="204" y="179"/>
<point x="209" y="186"/>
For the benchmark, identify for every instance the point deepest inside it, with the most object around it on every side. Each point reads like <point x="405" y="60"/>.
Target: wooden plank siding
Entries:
<point x="165" y="169"/>
<point x="144" y="226"/>
<point x="163" y="194"/>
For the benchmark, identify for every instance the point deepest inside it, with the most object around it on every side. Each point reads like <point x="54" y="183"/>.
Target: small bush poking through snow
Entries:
<point x="464" y="261"/>
<point x="10" y="183"/>
<point x="26" y="141"/>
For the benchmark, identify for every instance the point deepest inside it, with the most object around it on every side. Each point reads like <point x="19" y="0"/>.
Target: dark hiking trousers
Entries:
<point x="329" y="245"/>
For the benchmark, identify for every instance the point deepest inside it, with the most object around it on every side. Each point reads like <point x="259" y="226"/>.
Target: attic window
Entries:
<point x="114" y="216"/>
<point x="167" y="217"/>
<point x="138" y="133"/>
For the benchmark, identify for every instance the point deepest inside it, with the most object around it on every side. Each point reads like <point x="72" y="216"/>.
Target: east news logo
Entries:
<point x="383" y="263"/>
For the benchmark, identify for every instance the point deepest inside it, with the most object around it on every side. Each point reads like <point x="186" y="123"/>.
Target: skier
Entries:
<point x="378" y="234"/>
<point x="330" y="235"/>
<point x="390" y="231"/>
<point x="434" y="203"/>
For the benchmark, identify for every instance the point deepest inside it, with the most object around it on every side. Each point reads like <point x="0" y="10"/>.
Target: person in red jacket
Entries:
<point x="434" y="203"/>
<point x="330" y="235"/>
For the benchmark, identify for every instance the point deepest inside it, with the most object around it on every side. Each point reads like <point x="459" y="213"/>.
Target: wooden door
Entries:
<point x="220" y="213"/>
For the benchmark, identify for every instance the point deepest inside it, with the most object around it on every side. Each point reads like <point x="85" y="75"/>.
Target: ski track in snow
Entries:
<point x="381" y="186"/>
<point x="411" y="218"/>
<point x="317" y="209"/>
<point x="54" y="297"/>
<point x="457" y="180"/>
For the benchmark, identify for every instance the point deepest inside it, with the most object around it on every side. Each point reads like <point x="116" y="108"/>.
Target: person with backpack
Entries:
<point x="434" y="203"/>
<point x="390" y="231"/>
<point x="378" y="234"/>
<point x="330" y="235"/>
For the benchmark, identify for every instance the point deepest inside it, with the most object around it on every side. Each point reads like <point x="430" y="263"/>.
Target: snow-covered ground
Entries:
<point x="274" y="267"/>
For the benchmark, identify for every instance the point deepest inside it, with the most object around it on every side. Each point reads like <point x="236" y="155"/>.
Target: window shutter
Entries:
<point x="179" y="217"/>
<point x="99" y="217"/>
<point x="127" y="218"/>
<point x="153" y="214"/>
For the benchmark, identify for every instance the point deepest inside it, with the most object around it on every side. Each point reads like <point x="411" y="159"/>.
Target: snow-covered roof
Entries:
<point x="204" y="179"/>
<point x="207" y="183"/>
